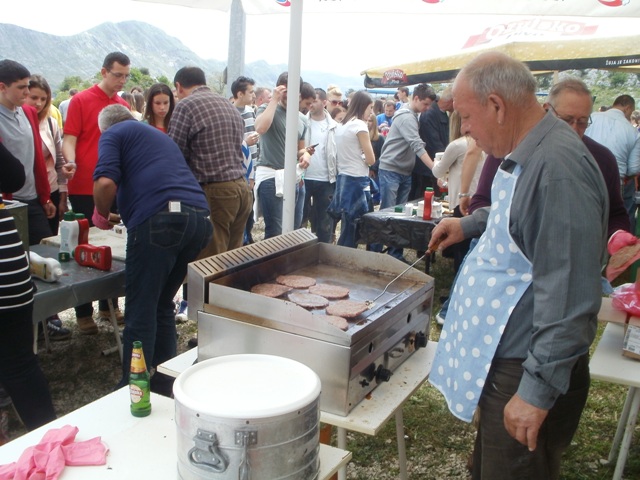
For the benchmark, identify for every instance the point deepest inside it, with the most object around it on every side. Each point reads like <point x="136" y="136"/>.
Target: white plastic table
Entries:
<point x="138" y="447"/>
<point x="607" y="364"/>
<point x="371" y="414"/>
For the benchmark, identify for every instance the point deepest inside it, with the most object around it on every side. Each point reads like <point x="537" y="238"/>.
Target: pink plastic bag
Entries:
<point x="626" y="298"/>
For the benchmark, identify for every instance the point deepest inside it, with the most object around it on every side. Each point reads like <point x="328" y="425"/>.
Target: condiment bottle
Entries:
<point x="428" y="199"/>
<point x="47" y="269"/>
<point x="83" y="229"/>
<point x="69" y="230"/>
<point x="139" y="383"/>
<point x="93" y="256"/>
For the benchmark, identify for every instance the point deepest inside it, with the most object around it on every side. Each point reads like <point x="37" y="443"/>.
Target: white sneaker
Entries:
<point x="182" y="315"/>
<point x="439" y="319"/>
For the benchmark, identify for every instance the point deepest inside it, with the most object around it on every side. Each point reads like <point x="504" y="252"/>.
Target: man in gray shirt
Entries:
<point x="515" y="342"/>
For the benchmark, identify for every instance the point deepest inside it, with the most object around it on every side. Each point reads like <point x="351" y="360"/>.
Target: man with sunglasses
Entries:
<point x="80" y="145"/>
<point x="614" y="130"/>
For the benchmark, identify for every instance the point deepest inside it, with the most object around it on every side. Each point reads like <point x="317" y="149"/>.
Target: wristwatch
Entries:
<point x="463" y="195"/>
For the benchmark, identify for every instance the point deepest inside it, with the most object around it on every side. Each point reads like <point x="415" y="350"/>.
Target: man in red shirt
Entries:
<point x="80" y="145"/>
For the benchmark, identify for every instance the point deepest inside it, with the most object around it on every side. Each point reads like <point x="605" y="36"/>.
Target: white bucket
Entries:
<point x="248" y="417"/>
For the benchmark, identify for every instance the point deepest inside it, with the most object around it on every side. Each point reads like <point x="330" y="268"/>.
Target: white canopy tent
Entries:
<point x="238" y="8"/>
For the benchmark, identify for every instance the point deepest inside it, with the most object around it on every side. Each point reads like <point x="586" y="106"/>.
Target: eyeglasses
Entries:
<point x="580" y="122"/>
<point x="336" y="102"/>
<point x="120" y="75"/>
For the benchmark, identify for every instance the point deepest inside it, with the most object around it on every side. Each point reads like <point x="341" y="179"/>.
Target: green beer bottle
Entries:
<point x="139" y="386"/>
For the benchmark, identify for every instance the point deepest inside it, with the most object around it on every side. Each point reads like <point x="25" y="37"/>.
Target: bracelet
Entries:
<point x="463" y="195"/>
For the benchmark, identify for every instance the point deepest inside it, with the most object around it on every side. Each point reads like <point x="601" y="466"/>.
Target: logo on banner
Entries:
<point x="394" y="77"/>
<point x="613" y="3"/>
<point x="283" y="3"/>
<point x="530" y="28"/>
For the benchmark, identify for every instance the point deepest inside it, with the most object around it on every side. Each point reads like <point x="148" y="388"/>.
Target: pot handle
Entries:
<point x="206" y="455"/>
<point x="245" y="439"/>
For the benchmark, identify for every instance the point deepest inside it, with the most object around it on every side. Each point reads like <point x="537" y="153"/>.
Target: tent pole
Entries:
<point x="293" y="101"/>
<point x="237" y="35"/>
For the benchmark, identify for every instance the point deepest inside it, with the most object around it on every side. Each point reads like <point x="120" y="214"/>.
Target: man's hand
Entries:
<point x="69" y="170"/>
<point x="304" y="160"/>
<point x="446" y="233"/>
<point x="99" y="221"/>
<point x="464" y="205"/>
<point x="522" y="421"/>
<point x="49" y="209"/>
<point x="278" y="93"/>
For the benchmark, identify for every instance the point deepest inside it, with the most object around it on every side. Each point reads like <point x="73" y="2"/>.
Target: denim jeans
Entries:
<point x="271" y="206"/>
<point x="394" y="190"/>
<point x="317" y="199"/>
<point x="629" y="199"/>
<point x="498" y="455"/>
<point x="158" y="251"/>
<point x="352" y="199"/>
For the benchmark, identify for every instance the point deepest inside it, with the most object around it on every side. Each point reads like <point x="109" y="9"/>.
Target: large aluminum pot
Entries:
<point x="248" y="417"/>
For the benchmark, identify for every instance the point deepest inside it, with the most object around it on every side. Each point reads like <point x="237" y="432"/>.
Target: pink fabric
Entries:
<point x="99" y="221"/>
<point x="47" y="459"/>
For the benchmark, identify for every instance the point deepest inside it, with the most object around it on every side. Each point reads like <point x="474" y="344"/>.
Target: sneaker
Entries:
<point x="439" y="319"/>
<point x="106" y="315"/>
<point x="57" y="332"/>
<point x="87" y="326"/>
<point x="181" y="316"/>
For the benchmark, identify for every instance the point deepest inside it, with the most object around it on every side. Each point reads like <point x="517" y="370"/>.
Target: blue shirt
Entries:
<point x="148" y="168"/>
<point x="614" y="131"/>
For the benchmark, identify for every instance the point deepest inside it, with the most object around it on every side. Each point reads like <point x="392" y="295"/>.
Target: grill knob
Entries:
<point x="420" y="340"/>
<point x="383" y="374"/>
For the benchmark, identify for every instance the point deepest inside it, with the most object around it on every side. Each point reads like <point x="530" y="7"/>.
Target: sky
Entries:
<point x="346" y="43"/>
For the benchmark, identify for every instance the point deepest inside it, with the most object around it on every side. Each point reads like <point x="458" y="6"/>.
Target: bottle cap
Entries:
<point x="64" y="256"/>
<point x="429" y="189"/>
<point x="70" y="216"/>
<point x="79" y="216"/>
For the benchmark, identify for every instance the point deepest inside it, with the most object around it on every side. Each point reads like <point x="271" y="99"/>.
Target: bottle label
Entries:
<point x="138" y="364"/>
<point x="136" y="393"/>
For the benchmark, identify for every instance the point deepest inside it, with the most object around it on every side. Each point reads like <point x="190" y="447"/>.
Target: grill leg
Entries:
<point x="342" y="444"/>
<point x="402" y="452"/>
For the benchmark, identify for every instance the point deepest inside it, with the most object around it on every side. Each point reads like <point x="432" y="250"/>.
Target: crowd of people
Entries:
<point x="535" y="189"/>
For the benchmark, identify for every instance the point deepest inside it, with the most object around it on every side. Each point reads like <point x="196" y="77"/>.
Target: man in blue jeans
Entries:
<point x="402" y="145"/>
<point x="167" y="218"/>
<point x="271" y="125"/>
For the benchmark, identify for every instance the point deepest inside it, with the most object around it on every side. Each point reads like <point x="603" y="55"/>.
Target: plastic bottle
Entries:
<point x="47" y="269"/>
<point x="139" y="383"/>
<point x="428" y="200"/>
<point x="93" y="256"/>
<point x="83" y="229"/>
<point x="69" y="230"/>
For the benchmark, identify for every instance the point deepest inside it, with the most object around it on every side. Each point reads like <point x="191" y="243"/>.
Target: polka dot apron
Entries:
<point x="492" y="280"/>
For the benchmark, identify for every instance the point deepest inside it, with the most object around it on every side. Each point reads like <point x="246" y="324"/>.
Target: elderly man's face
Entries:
<point x="574" y="108"/>
<point x="479" y="121"/>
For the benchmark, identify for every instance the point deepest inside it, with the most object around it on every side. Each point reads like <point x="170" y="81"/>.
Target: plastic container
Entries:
<point x="83" y="229"/>
<point x="428" y="200"/>
<point x="69" y="231"/>
<point x="47" y="269"/>
<point x="93" y="256"/>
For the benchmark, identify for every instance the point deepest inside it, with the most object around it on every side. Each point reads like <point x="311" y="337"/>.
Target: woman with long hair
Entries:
<point x="352" y="197"/>
<point x="159" y="106"/>
<point x="58" y="171"/>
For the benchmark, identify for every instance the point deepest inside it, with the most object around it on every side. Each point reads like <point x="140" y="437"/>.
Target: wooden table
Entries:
<point x="138" y="447"/>
<point x="371" y="414"/>
<point x="608" y="365"/>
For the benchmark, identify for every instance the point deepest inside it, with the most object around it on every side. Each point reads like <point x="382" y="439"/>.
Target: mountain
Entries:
<point x="57" y="57"/>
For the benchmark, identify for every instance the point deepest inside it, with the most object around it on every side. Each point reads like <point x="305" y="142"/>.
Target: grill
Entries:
<point x="350" y="364"/>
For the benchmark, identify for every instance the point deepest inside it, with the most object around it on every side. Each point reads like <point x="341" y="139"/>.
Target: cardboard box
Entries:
<point x="631" y="344"/>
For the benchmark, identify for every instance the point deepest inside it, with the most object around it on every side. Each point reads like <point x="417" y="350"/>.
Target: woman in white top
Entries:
<point x="58" y="171"/>
<point x="449" y="167"/>
<point x="352" y="197"/>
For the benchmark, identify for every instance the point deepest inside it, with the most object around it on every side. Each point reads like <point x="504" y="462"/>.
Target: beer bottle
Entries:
<point x="139" y="383"/>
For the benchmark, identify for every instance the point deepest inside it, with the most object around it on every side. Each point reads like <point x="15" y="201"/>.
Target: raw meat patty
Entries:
<point x="338" y="322"/>
<point x="296" y="281"/>
<point x="347" y="308"/>
<point x="272" y="290"/>
<point x="332" y="292"/>
<point x="308" y="300"/>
